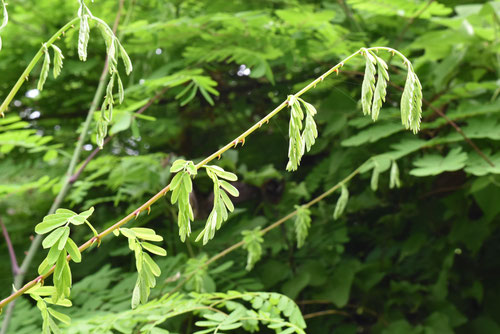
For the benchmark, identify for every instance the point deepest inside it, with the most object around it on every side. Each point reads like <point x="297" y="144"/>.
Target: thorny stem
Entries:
<point x="240" y="139"/>
<point x="269" y="228"/>
<point x="19" y="276"/>
<point x="31" y="65"/>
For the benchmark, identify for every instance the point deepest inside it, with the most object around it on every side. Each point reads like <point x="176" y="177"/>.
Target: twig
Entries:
<point x="240" y="139"/>
<point x="12" y="253"/>
<point x="327" y="312"/>
<point x="19" y="277"/>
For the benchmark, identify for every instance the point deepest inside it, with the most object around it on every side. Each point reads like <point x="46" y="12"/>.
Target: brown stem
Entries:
<point x="12" y="253"/>
<point x="327" y="312"/>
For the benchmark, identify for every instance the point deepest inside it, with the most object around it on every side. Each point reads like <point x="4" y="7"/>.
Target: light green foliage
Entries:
<point x="253" y="245"/>
<point x="58" y="61"/>
<point x="341" y="202"/>
<point x="411" y="101"/>
<point x="181" y="186"/>
<point x="147" y="269"/>
<point x="380" y="89"/>
<point x="302" y="224"/>
<point x="299" y="142"/>
<point x="60" y="245"/>
<point x="278" y="312"/>
<point x="222" y="202"/>
<point x="45" y="68"/>
<point x="394" y="180"/>
<point x="368" y="85"/>
<point x="43" y="295"/>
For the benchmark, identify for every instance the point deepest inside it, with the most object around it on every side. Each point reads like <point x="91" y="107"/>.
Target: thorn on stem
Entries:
<point x="235" y="143"/>
<point x="242" y="141"/>
<point x="218" y="157"/>
<point x="94" y="239"/>
<point x="336" y="71"/>
<point x="149" y="209"/>
<point x="137" y="213"/>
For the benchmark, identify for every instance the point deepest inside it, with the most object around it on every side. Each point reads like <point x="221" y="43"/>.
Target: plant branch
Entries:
<point x="327" y="312"/>
<point x="240" y="139"/>
<point x="33" y="62"/>
<point x="12" y="253"/>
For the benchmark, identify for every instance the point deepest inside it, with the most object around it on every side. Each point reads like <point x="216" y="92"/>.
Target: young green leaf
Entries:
<point x="407" y="102"/>
<point x="64" y="238"/>
<point x="52" y="238"/>
<point x="302" y="224"/>
<point x="45" y="69"/>
<point x="380" y="89"/>
<point x="253" y="244"/>
<point x="60" y="316"/>
<point x="394" y="176"/>
<point x="181" y="186"/>
<point x="83" y="35"/>
<point x="341" y="202"/>
<point x="310" y="132"/>
<point x="73" y="250"/>
<point x="375" y="175"/>
<point x="296" y="146"/>
<point x="146" y="234"/>
<point x="58" y="61"/>
<point x="368" y="86"/>
<point x="222" y="202"/>
<point x="125" y="58"/>
<point x="416" y="115"/>
<point x="153" y="248"/>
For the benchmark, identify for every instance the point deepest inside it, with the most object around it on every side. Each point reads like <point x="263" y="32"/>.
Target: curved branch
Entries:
<point x="240" y="139"/>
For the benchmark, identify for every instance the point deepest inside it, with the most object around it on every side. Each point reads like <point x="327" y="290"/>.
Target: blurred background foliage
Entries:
<point x="419" y="259"/>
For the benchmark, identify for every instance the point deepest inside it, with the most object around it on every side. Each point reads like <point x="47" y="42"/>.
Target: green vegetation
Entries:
<point x="243" y="166"/>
